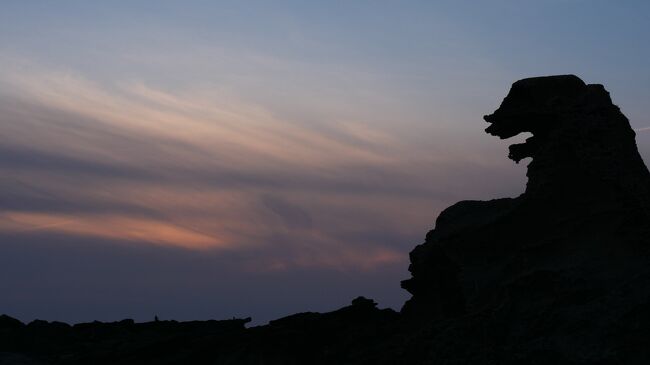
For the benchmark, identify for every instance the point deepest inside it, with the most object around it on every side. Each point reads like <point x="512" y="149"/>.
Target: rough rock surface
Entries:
<point x="561" y="272"/>
<point x="558" y="275"/>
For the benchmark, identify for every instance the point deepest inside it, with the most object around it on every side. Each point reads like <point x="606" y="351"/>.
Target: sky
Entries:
<point x="212" y="159"/>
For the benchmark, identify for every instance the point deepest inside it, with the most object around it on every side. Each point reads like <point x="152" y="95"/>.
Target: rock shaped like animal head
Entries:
<point x="581" y="144"/>
<point x="540" y="105"/>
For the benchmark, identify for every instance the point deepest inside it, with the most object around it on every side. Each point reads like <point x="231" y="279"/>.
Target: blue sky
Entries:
<point x="204" y="159"/>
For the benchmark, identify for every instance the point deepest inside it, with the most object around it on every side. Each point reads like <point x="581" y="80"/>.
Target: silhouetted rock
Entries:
<point x="7" y="322"/>
<point x="123" y="342"/>
<point x="562" y="269"/>
<point x="558" y="275"/>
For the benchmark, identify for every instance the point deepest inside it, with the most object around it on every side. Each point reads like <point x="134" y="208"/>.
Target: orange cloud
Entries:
<point x="113" y="227"/>
<point x="208" y="169"/>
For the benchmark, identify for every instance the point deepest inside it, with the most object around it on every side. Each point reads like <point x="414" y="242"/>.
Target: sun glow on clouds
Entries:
<point x="196" y="169"/>
<point x="112" y="227"/>
<point x="204" y="169"/>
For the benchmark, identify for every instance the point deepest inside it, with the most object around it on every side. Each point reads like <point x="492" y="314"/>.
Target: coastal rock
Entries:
<point x="563" y="269"/>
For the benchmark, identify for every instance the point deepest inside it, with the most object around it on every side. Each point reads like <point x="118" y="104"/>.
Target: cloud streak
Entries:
<point x="110" y="227"/>
<point x="200" y="169"/>
<point x="180" y="160"/>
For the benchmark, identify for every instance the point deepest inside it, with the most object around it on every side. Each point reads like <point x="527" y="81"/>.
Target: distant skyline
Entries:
<point x="207" y="159"/>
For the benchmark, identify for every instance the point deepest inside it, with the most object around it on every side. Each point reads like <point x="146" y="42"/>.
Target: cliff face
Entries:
<point x="563" y="268"/>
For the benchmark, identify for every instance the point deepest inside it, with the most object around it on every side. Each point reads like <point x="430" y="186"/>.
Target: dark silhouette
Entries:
<point x="558" y="275"/>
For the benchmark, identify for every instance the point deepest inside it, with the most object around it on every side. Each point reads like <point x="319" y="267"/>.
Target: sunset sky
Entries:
<point x="209" y="159"/>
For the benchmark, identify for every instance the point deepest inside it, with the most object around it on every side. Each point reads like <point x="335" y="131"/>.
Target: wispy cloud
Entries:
<point x="198" y="170"/>
<point x="111" y="227"/>
<point x="202" y="169"/>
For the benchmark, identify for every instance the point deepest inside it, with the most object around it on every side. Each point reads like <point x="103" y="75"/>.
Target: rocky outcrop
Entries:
<point x="358" y="333"/>
<point x="582" y="146"/>
<point x="123" y="342"/>
<point x="563" y="269"/>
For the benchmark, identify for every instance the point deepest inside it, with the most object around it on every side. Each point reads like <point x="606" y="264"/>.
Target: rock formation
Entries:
<point x="563" y="269"/>
<point x="558" y="275"/>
